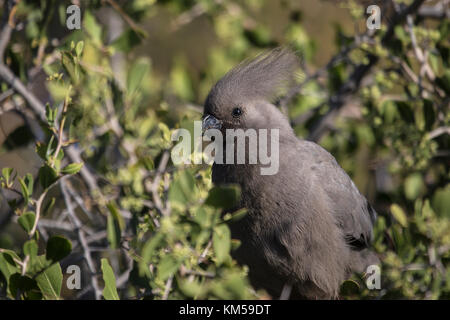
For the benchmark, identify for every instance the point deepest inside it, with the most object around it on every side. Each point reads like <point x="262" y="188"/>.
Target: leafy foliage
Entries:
<point x="105" y="179"/>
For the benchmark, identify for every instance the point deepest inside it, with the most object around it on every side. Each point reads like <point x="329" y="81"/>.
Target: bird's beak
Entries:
<point x="211" y="122"/>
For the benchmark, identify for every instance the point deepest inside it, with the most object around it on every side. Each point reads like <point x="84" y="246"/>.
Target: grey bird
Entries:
<point x="308" y="228"/>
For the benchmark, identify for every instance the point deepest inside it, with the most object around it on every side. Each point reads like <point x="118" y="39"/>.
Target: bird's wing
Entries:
<point x="352" y="211"/>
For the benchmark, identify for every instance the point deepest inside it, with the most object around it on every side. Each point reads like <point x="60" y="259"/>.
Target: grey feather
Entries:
<point x="260" y="78"/>
<point x="307" y="225"/>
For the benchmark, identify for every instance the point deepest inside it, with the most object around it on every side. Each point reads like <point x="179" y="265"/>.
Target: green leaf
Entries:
<point x="24" y="285"/>
<point x="26" y="185"/>
<point x="29" y="183"/>
<point x="225" y="197"/>
<point x="202" y="217"/>
<point x="236" y="216"/>
<point x="136" y="74"/>
<point x="79" y="48"/>
<point x="444" y="82"/>
<point x="8" y="265"/>
<point x="192" y="289"/>
<point x="48" y="207"/>
<point x="434" y="61"/>
<point x="405" y="111"/>
<point x="181" y="81"/>
<point x="72" y="168"/>
<point x="26" y="220"/>
<point x="428" y="113"/>
<point x="182" y="189"/>
<point x="25" y="194"/>
<point x="50" y="279"/>
<point x="232" y="287"/>
<point x="399" y="215"/>
<point x="58" y="248"/>
<point x="41" y="150"/>
<point x="47" y="176"/>
<point x="69" y="65"/>
<point x="150" y="247"/>
<point x="92" y="27"/>
<point x="167" y="267"/>
<point x="414" y="186"/>
<point x="221" y="243"/>
<point x="148" y="253"/>
<point x="50" y="115"/>
<point x="113" y="232"/>
<point x="110" y="290"/>
<point x="112" y="207"/>
<point x="441" y="201"/>
<point x="349" y="287"/>
<point x="126" y="41"/>
<point x="30" y="248"/>
<point x="6" y="173"/>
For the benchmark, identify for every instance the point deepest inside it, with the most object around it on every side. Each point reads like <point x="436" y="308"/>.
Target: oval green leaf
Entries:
<point x="110" y="290"/>
<point x="58" y="248"/>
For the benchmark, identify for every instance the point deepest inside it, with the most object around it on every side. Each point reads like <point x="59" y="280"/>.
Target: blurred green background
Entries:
<point x="137" y="70"/>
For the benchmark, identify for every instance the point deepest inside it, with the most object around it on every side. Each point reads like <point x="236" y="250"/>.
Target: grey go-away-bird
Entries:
<point x="308" y="228"/>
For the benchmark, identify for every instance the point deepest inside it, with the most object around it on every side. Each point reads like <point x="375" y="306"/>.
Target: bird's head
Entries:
<point x="242" y="99"/>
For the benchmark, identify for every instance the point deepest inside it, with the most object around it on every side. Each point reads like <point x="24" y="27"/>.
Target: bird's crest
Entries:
<point x="260" y="78"/>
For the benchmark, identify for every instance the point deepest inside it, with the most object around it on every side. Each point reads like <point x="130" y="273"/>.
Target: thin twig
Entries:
<point x="7" y="25"/>
<point x="39" y="110"/>
<point x="438" y="131"/>
<point x="188" y="16"/>
<point x="167" y="288"/>
<point x="60" y="131"/>
<point x="155" y="184"/>
<point x="439" y="11"/>
<point x="79" y="201"/>
<point x="141" y="33"/>
<point x="82" y="239"/>
<point x="38" y="211"/>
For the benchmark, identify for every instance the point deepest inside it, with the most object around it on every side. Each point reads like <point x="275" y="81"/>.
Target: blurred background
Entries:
<point x="110" y="93"/>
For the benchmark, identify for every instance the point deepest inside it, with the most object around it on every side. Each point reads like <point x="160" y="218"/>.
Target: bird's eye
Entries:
<point x="236" y="112"/>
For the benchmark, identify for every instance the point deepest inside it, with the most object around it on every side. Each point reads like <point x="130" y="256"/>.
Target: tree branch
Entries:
<point x="82" y="239"/>
<point x="439" y="11"/>
<point x="39" y="110"/>
<point x="337" y="100"/>
<point x="7" y="25"/>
